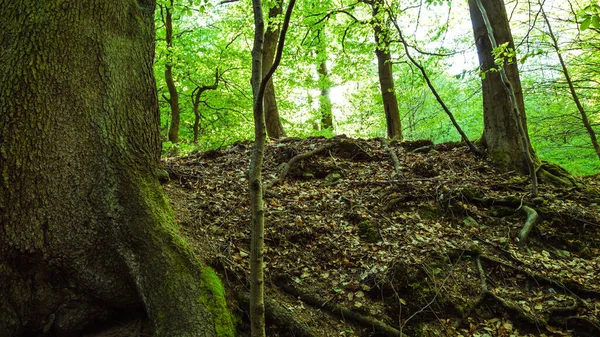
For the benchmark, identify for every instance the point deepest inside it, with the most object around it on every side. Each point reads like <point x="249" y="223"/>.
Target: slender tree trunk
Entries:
<point x="196" y="95"/>
<point x="85" y="230"/>
<point x="257" y="242"/>
<point x="325" y="106"/>
<point x="463" y="136"/>
<point x="584" y="117"/>
<point x="386" y="78"/>
<point x="501" y="133"/>
<point x="273" y="121"/>
<point x="173" y="94"/>
<point x="255" y="185"/>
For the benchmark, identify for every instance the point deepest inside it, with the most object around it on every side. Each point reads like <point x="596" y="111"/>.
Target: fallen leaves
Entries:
<point x="422" y="219"/>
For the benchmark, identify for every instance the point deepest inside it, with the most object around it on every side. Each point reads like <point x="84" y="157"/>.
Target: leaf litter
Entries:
<point x="432" y="251"/>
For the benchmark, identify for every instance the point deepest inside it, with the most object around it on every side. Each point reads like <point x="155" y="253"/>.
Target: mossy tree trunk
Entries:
<point x="273" y="121"/>
<point x="501" y="134"/>
<point x="384" y="68"/>
<point x="85" y="230"/>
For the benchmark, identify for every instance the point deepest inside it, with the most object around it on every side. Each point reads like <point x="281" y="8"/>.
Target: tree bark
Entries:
<point x="85" y="230"/>
<point x="501" y="133"/>
<point x="273" y="121"/>
<point x="255" y="185"/>
<point x="173" y="94"/>
<point x="386" y="78"/>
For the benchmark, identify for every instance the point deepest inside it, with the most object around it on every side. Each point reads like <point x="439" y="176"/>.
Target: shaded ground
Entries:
<point x="426" y="248"/>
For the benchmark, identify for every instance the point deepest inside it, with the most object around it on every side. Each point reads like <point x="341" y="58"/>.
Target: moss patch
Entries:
<point x="213" y="297"/>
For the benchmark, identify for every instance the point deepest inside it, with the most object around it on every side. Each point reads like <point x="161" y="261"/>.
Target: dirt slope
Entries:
<point x="360" y="246"/>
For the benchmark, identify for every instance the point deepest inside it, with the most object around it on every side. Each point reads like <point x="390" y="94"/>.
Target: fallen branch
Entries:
<point x="532" y="217"/>
<point x="485" y="293"/>
<point x="287" y="166"/>
<point x="570" y="287"/>
<point x="393" y="156"/>
<point x="281" y="317"/>
<point x="341" y="311"/>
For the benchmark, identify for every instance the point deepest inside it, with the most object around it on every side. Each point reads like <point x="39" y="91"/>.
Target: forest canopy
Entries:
<point x="327" y="83"/>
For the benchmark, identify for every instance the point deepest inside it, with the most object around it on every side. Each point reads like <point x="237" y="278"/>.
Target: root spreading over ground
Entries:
<point x="369" y="238"/>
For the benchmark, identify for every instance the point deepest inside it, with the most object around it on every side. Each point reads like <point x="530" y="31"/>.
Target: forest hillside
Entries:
<point x="408" y="239"/>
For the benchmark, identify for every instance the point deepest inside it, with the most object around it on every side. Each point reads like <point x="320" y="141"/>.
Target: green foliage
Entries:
<point x="590" y="17"/>
<point x="503" y="54"/>
<point x="210" y="36"/>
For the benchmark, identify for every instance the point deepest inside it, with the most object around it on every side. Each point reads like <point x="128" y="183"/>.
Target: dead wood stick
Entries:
<point x="570" y="287"/>
<point x="341" y="311"/>
<point x="532" y="217"/>
<point x="486" y="293"/>
<point x="280" y="316"/>
<point x="287" y="166"/>
<point x="393" y="156"/>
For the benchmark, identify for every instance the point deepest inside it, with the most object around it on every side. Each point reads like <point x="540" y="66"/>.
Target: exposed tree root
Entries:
<point x="532" y="217"/>
<point x="485" y="294"/>
<point x="287" y="166"/>
<point x="345" y="313"/>
<point x="394" y="157"/>
<point x="280" y="316"/>
<point x="582" y="325"/>
<point x="556" y="175"/>
<point x="569" y="287"/>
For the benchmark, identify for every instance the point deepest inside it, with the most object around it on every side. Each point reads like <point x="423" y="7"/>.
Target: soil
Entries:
<point x="430" y="247"/>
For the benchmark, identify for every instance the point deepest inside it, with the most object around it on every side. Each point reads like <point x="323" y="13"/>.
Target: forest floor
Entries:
<point x="361" y="244"/>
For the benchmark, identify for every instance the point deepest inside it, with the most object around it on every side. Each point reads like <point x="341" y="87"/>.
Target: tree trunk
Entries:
<point x="85" y="230"/>
<point x="386" y="78"/>
<point x="325" y="106"/>
<point x="582" y="112"/>
<point x="273" y="122"/>
<point x="255" y="185"/>
<point x="196" y="95"/>
<point x="501" y="134"/>
<point x="173" y="94"/>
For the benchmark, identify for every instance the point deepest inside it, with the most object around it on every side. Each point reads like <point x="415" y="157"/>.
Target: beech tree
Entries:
<point x="324" y="82"/>
<point x="384" y="69"/>
<point x="501" y="131"/>
<point x="275" y="129"/>
<point x="85" y="231"/>
<point x="166" y="12"/>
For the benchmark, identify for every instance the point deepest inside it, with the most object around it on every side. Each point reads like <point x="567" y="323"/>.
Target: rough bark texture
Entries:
<point x="386" y="78"/>
<point x="273" y="122"/>
<point x="173" y="94"/>
<point x="85" y="230"/>
<point x="500" y="135"/>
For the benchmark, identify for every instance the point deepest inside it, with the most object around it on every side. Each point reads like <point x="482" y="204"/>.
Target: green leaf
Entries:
<point x="585" y="24"/>
<point x="596" y="21"/>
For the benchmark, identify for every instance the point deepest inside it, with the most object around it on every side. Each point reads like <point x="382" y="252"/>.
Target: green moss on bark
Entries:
<point x="216" y="302"/>
<point x="188" y="280"/>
